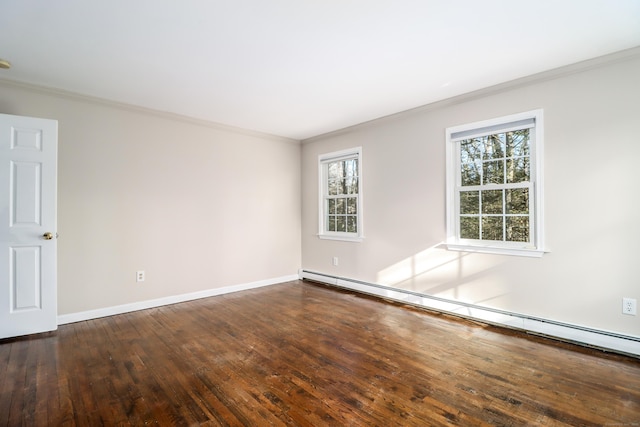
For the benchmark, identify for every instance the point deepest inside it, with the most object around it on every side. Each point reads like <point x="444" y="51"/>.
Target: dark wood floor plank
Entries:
<point x="301" y="354"/>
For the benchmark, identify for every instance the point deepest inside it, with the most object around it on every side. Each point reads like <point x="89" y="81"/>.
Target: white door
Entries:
<point x="28" y="288"/>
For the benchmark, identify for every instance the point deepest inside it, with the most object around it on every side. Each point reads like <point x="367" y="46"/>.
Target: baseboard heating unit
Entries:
<point x="604" y="340"/>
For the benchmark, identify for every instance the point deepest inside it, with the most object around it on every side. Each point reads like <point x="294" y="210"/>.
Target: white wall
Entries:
<point x="592" y="203"/>
<point x="196" y="206"/>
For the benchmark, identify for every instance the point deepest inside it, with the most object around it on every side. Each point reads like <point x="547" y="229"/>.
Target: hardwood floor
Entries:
<point x="304" y="354"/>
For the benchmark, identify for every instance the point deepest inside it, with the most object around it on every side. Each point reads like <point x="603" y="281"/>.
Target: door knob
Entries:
<point x="47" y="236"/>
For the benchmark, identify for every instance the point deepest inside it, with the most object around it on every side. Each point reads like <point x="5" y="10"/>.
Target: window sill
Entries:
<point x="531" y="253"/>
<point x="341" y="238"/>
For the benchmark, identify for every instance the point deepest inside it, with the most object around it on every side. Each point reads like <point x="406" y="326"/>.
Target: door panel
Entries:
<point x="28" y="288"/>
<point x="25" y="194"/>
<point x="24" y="278"/>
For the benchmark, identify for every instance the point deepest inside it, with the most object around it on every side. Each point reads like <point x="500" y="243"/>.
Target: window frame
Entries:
<point x="323" y="163"/>
<point x="456" y="134"/>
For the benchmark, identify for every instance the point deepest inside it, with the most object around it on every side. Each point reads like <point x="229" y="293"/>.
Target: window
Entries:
<point x="341" y="195"/>
<point x="494" y="185"/>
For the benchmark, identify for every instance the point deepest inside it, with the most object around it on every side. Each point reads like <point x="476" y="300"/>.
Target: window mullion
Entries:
<point x="504" y="212"/>
<point x="480" y="212"/>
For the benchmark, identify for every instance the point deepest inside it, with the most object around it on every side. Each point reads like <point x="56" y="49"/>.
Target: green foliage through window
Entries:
<point x="494" y="191"/>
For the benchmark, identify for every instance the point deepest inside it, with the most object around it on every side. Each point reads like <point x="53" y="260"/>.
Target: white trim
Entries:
<point x="536" y="247"/>
<point x="602" y="339"/>
<point x="345" y="238"/>
<point x="537" y="153"/>
<point x="533" y="253"/>
<point x="75" y="96"/>
<point x="469" y="131"/>
<point x="323" y="159"/>
<point x="490" y="123"/>
<point x="340" y="155"/>
<point x="159" y="302"/>
<point x="522" y="82"/>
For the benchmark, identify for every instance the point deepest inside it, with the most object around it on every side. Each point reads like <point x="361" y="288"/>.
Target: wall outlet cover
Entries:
<point x="629" y="306"/>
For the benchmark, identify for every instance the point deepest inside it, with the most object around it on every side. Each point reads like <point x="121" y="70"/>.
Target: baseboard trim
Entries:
<point x="143" y="305"/>
<point x="601" y="339"/>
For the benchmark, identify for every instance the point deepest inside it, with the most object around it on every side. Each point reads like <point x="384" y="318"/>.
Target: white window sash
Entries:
<point x="323" y="214"/>
<point x="532" y="120"/>
<point x="492" y="129"/>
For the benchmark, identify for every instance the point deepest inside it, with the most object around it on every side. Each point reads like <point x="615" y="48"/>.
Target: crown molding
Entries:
<point x="74" y="96"/>
<point x="578" y="67"/>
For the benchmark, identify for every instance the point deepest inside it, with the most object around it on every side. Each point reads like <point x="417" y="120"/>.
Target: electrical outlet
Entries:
<point x="629" y="306"/>
<point x="335" y="261"/>
<point x="140" y="276"/>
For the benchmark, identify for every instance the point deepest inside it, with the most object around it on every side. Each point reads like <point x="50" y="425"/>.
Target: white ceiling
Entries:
<point x="300" y="68"/>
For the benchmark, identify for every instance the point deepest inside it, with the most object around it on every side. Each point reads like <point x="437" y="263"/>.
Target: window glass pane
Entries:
<point x="470" y="173"/>
<point x="492" y="201"/>
<point x="352" y="206"/>
<point x="340" y="206"/>
<point x="351" y="185"/>
<point x="332" y="187"/>
<point x="336" y="187"/>
<point x="344" y="166"/>
<point x="352" y="224"/>
<point x="518" y="170"/>
<point x="471" y="149"/>
<point x="336" y="170"/>
<point x="493" y="172"/>
<point x="517" y="229"/>
<point x="518" y="143"/>
<point x="470" y="163"/>
<point x="492" y="228"/>
<point x="331" y="223"/>
<point x="517" y="201"/>
<point x="470" y="202"/>
<point x="341" y="224"/>
<point x="470" y="227"/>
<point x="342" y="187"/>
<point x="350" y="168"/>
<point x="331" y="206"/>
<point x="494" y="146"/>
